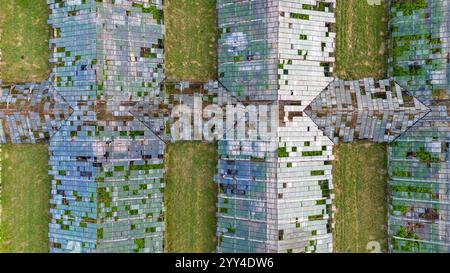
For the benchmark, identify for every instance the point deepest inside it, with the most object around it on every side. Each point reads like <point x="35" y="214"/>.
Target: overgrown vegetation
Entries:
<point x="430" y="57"/>
<point x="360" y="180"/>
<point x="190" y="197"/>
<point x="26" y="195"/>
<point x="361" y="44"/>
<point x="24" y="41"/>
<point x="409" y="6"/>
<point x="191" y="40"/>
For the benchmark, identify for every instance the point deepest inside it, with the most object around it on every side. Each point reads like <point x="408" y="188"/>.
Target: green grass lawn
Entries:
<point x="190" y="197"/>
<point x="26" y="195"/>
<point x="360" y="181"/>
<point x="24" y="41"/>
<point x="360" y="169"/>
<point x="361" y="43"/>
<point x="191" y="40"/>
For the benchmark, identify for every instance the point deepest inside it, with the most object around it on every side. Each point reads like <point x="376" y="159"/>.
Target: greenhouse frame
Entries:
<point x="105" y="114"/>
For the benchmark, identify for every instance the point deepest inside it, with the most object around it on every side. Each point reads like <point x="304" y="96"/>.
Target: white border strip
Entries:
<point x="0" y="191"/>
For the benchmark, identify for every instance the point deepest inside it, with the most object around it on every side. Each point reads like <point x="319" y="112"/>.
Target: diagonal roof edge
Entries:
<point x="308" y="110"/>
